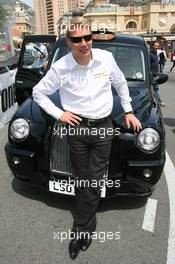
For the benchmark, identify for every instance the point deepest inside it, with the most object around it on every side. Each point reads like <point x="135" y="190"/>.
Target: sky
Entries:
<point x="28" y="2"/>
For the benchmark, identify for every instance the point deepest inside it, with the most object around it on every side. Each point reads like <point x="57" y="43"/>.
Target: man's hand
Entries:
<point x="131" y="120"/>
<point x="70" y="118"/>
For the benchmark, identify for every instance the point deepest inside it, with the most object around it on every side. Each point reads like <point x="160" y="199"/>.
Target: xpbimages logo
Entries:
<point x="86" y="131"/>
<point x="102" y="26"/>
<point x="102" y="236"/>
<point x="93" y="183"/>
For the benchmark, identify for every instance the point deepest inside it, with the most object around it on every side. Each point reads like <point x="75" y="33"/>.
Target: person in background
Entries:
<point x="41" y="55"/>
<point x="173" y="60"/>
<point x="162" y="59"/>
<point x="154" y="67"/>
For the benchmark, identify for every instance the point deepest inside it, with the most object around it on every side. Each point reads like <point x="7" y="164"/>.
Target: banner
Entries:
<point x="8" y="105"/>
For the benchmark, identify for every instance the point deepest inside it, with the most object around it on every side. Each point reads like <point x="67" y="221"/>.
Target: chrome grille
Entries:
<point x="59" y="151"/>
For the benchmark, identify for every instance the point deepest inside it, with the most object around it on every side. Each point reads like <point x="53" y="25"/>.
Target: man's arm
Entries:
<point x="165" y="54"/>
<point x="47" y="86"/>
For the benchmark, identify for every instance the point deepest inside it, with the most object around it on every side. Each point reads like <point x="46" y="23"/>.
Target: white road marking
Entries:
<point x="150" y="215"/>
<point x="169" y="171"/>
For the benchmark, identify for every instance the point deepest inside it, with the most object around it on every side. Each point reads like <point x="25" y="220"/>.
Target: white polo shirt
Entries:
<point x="84" y="90"/>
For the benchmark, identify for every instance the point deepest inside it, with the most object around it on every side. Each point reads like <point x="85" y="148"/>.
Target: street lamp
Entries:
<point x="153" y="34"/>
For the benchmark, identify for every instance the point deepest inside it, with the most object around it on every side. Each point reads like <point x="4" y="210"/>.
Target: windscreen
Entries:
<point x="129" y="59"/>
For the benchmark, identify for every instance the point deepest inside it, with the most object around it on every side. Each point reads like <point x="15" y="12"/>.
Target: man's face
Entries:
<point x="80" y="47"/>
<point x="156" y="46"/>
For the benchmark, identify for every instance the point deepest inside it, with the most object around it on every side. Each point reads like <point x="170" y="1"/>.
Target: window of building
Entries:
<point x="131" y="24"/>
<point x="172" y="29"/>
<point x="163" y="14"/>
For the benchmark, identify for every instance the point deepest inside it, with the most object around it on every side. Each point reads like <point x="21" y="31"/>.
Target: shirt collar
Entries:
<point x="95" y="56"/>
<point x="73" y="63"/>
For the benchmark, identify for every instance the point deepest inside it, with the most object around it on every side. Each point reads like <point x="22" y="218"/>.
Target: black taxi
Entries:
<point x="39" y="156"/>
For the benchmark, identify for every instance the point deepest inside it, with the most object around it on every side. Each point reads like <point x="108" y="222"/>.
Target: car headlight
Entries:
<point x="19" y="128"/>
<point x="148" y="140"/>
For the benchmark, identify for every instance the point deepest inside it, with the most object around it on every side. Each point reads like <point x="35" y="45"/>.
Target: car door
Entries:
<point x="32" y="64"/>
<point x="8" y="104"/>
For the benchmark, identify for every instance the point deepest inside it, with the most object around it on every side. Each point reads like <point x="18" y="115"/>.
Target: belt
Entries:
<point x="94" y="122"/>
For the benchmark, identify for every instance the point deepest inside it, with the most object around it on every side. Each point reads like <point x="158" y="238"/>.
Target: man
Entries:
<point x="173" y="60"/>
<point x="41" y="54"/>
<point x="162" y="58"/>
<point x="84" y="78"/>
<point x="154" y="63"/>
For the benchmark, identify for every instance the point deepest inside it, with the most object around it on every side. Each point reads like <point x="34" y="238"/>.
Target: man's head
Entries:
<point x="79" y="38"/>
<point x="156" y="45"/>
<point x="38" y="44"/>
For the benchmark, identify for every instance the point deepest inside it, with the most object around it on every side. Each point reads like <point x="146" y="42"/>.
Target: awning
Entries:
<point x="169" y="37"/>
<point x="149" y="38"/>
<point x="155" y="37"/>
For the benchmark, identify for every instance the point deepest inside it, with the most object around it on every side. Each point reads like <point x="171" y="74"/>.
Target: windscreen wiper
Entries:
<point x="134" y="79"/>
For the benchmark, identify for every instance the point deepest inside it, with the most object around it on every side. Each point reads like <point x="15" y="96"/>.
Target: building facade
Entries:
<point x="24" y="21"/>
<point x="151" y="19"/>
<point x="133" y="18"/>
<point x="49" y="12"/>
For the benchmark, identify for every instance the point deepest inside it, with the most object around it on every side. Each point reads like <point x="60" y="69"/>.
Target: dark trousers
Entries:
<point x="89" y="156"/>
<point x="172" y="66"/>
<point x="162" y="65"/>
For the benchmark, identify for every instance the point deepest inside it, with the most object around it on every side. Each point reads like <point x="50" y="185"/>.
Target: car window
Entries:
<point x="60" y="52"/>
<point x="36" y="55"/>
<point x="129" y="59"/>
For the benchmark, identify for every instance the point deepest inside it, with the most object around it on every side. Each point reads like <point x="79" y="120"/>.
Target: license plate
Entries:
<point x="60" y="187"/>
<point x="67" y="188"/>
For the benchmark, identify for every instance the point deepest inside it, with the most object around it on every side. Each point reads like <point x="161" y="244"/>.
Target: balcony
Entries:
<point x="101" y="9"/>
<point x="113" y="9"/>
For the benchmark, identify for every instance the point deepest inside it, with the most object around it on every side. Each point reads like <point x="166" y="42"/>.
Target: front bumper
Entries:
<point x="131" y="180"/>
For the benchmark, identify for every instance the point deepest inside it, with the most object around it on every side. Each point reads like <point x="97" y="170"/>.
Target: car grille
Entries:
<point x="59" y="151"/>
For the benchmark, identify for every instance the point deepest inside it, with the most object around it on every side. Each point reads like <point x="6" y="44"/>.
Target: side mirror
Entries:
<point x="160" y="78"/>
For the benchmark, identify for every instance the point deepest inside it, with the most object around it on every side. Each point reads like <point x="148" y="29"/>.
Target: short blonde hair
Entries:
<point x="77" y="24"/>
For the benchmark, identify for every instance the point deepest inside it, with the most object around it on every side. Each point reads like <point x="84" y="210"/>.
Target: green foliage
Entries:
<point x="15" y="43"/>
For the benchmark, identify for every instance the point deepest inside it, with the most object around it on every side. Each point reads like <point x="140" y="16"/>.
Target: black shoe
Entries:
<point x="86" y="243"/>
<point x="74" y="247"/>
